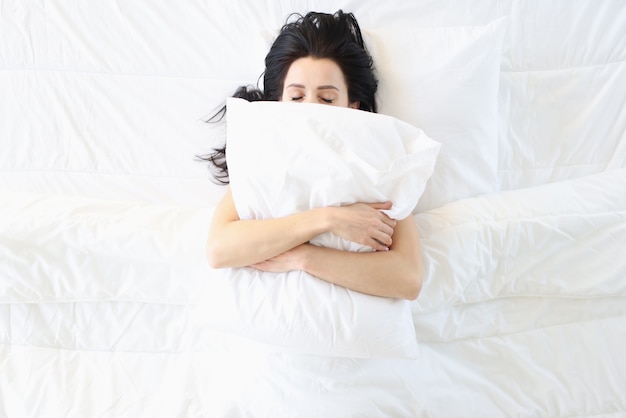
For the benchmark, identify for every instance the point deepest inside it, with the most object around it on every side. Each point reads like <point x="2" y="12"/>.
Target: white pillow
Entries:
<point x="284" y="158"/>
<point x="445" y="81"/>
<point x="315" y="155"/>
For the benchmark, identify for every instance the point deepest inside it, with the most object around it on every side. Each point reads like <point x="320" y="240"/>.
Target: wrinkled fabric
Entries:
<point x="104" y="215"/>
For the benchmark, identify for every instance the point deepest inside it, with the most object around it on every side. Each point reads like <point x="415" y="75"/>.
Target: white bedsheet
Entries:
<point x="104" y="215"/>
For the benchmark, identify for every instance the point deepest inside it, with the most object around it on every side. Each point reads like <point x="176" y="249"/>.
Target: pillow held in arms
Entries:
<point x="284" y="158"/>
<point x="444" y="79"/>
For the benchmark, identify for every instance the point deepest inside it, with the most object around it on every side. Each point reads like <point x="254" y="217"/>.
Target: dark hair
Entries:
<point x="319" y="35"/>
<point x="217" y="159"/>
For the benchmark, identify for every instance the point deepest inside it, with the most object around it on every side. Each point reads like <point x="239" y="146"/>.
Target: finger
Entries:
<point x="261" y="265"/>
<point x="378" y="246"/>
<point x="258" y="266"/>
<point x="381" y="205"/>
<point x="384" y="239"/>
<point x="383" y="234"/>
<point x="388" y="223"/>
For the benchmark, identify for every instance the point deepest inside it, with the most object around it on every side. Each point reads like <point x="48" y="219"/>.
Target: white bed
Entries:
<point x="108" y="306"/>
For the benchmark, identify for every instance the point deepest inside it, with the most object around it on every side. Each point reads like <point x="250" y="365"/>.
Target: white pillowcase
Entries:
<point x="285" y="158"/>
<point x="315" y="155"/>
<point x="445" y="81"/>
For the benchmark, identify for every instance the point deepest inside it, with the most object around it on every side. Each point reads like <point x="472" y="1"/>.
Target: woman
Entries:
<point x="320" y="58"/>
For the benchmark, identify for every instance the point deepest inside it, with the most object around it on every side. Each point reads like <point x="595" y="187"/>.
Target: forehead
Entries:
<point x="315" y="70"/>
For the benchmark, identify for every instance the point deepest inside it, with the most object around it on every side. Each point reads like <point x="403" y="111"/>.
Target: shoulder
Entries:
<point x="225" y="211"/>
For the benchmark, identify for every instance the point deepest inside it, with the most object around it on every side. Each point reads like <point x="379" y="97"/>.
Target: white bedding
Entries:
<point x="104" y="213"/>
<point x="306" y="157"/>
<point x="512" y="311"/>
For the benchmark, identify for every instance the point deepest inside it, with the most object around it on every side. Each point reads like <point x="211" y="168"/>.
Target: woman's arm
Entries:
<point x="394" y="273"/>
<point x="234" y="243"/>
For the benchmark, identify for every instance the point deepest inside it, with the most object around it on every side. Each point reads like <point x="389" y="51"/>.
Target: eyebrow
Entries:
<point x="324" y="87"/>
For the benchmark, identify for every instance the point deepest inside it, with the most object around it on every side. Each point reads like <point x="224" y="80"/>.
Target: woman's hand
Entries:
<point x="364" y="223"/>
<point x="287" y="261"/>
<point x="233" y="242"/>
<point x="395" y="273"/>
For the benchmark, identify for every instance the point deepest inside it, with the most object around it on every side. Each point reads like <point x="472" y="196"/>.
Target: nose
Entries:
<point x="309" y="98"/>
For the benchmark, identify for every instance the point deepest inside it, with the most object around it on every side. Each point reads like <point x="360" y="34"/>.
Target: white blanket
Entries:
<point x="104" y="213"/>
<point x="491" y="306"/>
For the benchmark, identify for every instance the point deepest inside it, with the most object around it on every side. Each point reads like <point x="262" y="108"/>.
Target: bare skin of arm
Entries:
<point x="395" y="273"/>
<point x="281" y="244"/>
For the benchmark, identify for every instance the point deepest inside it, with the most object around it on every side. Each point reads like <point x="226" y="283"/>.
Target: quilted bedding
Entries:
<point x="108" y="307"/>
<point x="541" y="306"/>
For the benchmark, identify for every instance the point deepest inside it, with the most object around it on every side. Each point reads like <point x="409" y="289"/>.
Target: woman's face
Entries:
<point x="316" y="80"/>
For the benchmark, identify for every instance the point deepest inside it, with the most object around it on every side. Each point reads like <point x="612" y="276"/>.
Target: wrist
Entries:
<point x="304" y="257"/>
<point x="328" y="218"/>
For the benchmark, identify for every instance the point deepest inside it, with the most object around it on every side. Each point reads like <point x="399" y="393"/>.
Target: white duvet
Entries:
<point x="547" y="277"/>
<point x="104" y="213"/>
